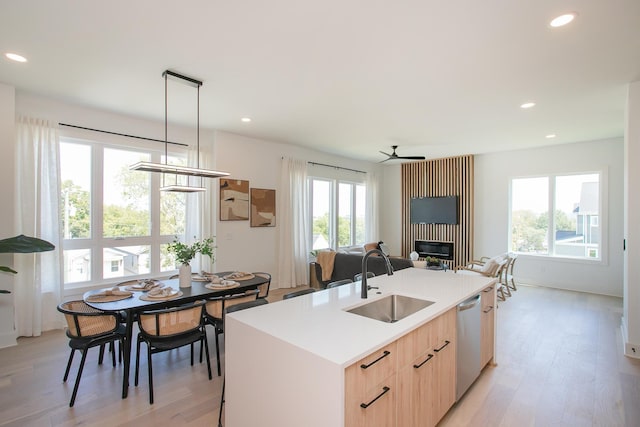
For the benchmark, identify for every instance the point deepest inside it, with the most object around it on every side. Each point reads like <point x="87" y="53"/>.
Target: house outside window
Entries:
<point x="338" y="219"/>
<point x="557" y="215"/>
<point x="116" y="223"/>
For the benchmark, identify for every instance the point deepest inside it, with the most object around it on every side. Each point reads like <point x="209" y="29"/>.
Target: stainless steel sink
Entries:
<point x="391" y="308"/>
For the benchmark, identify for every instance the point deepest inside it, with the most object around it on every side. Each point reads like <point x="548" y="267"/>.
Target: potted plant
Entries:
<point x="22" y="245"/>
<point x="432" y="261"/>
<point x="184" y="253"/>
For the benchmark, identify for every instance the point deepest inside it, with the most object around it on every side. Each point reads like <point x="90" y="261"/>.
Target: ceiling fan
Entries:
<point x="394" y="156"/>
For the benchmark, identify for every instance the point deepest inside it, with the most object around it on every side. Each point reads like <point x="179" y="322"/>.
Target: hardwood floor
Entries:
<point x="560" y="363"/>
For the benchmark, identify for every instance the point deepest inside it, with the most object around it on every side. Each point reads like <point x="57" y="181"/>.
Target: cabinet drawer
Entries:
<point x="371" y="370"/>
<point x="416" y="343"/>
<point x="374" y="408"/>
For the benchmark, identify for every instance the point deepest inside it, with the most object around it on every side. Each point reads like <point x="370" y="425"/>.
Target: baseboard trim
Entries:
<point x="8" y="339"/>
<point x="629" y="349"/>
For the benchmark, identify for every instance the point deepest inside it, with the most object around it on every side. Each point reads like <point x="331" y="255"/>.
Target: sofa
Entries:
<point x="345" y="266"/>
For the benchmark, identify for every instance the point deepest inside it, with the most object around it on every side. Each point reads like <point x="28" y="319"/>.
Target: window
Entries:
<point x="116" y="222"/>
<point x="338" y="213"/>
<point x="557" y="215"/>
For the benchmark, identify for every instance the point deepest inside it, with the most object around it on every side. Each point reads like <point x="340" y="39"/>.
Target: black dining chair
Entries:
<point x="171" y="328"/>
<point x="298" y="293"/>
<point x="214" y="315"/>
<point x="339" y="283"/>
<point x="237" y="307"/>
<point x="88" y="327"/>
<point x="263" y="288"/>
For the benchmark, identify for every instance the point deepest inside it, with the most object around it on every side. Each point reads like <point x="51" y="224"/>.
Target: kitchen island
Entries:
<point x="288" y="363"/>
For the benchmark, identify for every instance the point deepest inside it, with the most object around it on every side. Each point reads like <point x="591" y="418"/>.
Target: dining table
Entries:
<point x="139" y="301"/>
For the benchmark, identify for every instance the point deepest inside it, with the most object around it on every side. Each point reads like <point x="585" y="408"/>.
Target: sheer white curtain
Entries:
<point x="294" y="224"/>
<point x="39" y="283"/>
<point x="195" y="221"/>
<point x="372" y="231"/>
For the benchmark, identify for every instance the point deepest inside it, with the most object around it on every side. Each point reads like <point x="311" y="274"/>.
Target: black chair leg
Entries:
<point x="66" y="373"/>
<point x="191" y="346"/>
<point x="101" y="355"/>
<point x="75" y="387"/>
<point x="205" y="344"/>
<point x="135" y="381"/>
<point x="150" y="375"/>
<point x="218" y="353"/>
<point x="112" y="347"/>
<point x="221" y="404"/>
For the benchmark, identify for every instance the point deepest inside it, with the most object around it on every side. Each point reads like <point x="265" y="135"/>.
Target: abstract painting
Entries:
<point x="234" y="199"/>
<point x="263" y="207"/>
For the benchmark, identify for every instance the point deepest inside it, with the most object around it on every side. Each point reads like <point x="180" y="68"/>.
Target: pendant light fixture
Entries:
<point x="176" y="170"/>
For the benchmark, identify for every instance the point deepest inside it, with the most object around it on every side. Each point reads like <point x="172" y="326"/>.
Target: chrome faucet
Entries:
<point x="363" y="292"/>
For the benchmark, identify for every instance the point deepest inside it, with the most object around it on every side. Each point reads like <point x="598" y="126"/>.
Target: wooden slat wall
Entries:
<point x="452" y="176"/>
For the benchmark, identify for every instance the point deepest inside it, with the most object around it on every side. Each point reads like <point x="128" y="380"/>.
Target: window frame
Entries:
<point x="334" y="209"/>
<point x="96" y="243"/>
<point x="602" y="249"/>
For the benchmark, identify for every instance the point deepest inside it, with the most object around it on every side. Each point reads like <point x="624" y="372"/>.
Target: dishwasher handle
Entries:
<point x="470" y="303"/>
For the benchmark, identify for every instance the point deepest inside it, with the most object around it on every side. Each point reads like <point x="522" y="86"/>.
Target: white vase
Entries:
<point x="185" y="276"/>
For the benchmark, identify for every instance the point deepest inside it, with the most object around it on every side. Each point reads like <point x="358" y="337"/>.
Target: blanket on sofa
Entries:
<point x="326" y="260"/>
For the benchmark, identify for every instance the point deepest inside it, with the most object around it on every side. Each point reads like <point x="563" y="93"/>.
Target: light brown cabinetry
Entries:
<point x="426" y="372"/>
<point x="419" y="372"/>
<point x="487" y="324"/>
<point x="370" y="390"/>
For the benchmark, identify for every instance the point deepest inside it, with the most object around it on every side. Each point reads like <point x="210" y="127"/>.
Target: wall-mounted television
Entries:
<point x="434" y="210"/>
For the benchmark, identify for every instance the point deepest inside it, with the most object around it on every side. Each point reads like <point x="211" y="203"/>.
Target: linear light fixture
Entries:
<point x="166" y="168"/>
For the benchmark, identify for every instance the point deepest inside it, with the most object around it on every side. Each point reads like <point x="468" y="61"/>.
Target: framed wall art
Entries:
<point x="263" y="207"/>
<point x="234" y="199"/>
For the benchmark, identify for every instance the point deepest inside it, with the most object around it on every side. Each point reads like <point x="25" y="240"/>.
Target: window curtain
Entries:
<point x="39" y="282"/>
<point x="194" y="217"/>
<point x="294" y="225"/>
<point x="372" y="230"/>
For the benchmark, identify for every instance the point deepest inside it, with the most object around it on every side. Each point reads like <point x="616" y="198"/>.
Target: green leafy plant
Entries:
<point x="22" y="245"/>
<point x="431" y="260"/>
<point x="184" y="253"/>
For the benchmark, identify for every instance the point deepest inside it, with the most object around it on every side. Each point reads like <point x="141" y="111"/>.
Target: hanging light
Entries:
<point x="176" y="170"/>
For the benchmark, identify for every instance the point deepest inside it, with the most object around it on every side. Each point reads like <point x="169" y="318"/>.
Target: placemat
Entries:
<point x="109" y="298"/>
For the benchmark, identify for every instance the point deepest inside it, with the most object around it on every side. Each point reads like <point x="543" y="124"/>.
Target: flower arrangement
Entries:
<point x="184" y="253"/>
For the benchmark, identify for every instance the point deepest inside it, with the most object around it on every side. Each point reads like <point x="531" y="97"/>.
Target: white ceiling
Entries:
<point x="437" y="78"/>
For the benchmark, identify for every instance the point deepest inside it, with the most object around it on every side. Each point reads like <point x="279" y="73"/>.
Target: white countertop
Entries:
<point x="318" y="322"/>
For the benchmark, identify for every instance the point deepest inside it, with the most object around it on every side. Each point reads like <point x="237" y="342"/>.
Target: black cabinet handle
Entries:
<point x="488" y="309"/>
<point x="489" y="289"/>
<point x="385" y="354"/>
<point x="446" y="343"/>
<point x="366" y="405"/>
<point x="424" y="361"/>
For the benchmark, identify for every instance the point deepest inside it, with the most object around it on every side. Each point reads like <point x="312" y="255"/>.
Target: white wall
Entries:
<point x="240" y="246"/>
<point x="493" y="173"/>
<point x="492" y="176"/>
<point x="631" y="316"/>
<point x="7" y="183"/>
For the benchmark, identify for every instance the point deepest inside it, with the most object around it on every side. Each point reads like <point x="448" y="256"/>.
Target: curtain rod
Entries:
<point x="123" y="134"/>
<point x="335" y="167"/>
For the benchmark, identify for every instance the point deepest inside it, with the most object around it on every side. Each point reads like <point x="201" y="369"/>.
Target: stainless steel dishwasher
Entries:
<point x="468" y="351"/>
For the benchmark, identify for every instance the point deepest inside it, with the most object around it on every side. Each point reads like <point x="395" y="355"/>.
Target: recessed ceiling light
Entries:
<point x="246" y="119"/>
<point x="15" y="57"/>
<point x="563" y="19"/>
<point x="551" y="135"/>
<point x="528" y="105"/>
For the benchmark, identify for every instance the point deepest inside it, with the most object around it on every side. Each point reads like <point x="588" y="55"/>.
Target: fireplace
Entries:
<point x="432" y="248"/>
